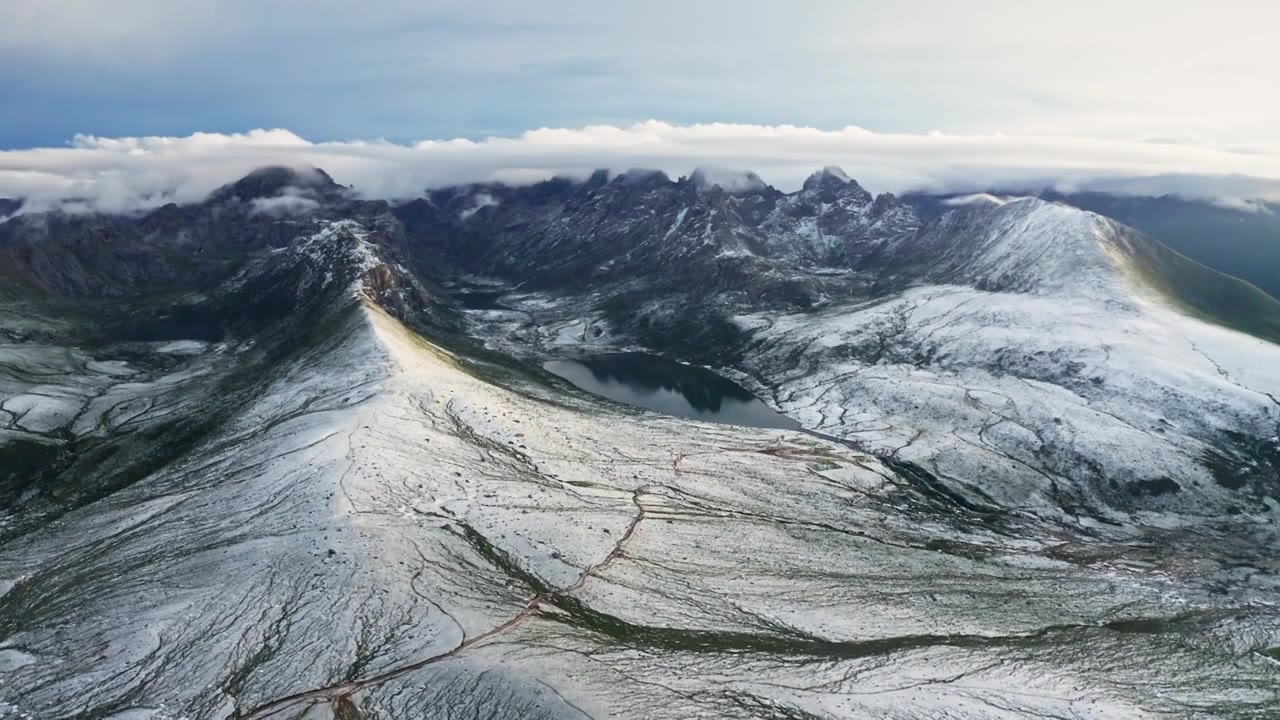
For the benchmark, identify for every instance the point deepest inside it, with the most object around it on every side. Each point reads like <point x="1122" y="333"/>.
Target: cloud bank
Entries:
<point x="137" y="173"/>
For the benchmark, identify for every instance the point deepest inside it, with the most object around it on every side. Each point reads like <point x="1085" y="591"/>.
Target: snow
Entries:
<point x="183" y="347"/>
<point x="675" y="224"/>
<point x="383" y="449"/>
<point x="384" y="503"/>
<point x="117" y="368"/>
<point x="11" y="659"/>
<point x="1139" y="392"/>
<point x="39" y="412"/>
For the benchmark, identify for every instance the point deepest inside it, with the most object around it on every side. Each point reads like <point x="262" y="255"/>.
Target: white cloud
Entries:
<point x="105" y="31"/>
<point x="974" y="199"/>
<point x="730" y="179"/>
<point x="1244" y="204"/>
<point x="483" y="200"/>
<point x="290" y="202"/>
<point x="124" y="174"/>
<point x="1096" y="68"/>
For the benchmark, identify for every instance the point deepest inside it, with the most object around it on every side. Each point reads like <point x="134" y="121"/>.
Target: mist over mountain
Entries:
<point x="132" y="174"/>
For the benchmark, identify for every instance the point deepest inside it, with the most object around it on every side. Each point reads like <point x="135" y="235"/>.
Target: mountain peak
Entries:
<point x="642" y="176"/>
<point x="272" y="181"/>
<point x="734" y="182"/>
<point x="831" y="183"/>
<point x="830" y="176"/>
<point x="831" y="171"/>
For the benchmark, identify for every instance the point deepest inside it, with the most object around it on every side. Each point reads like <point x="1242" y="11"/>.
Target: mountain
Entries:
<point x="1029" y="245"/>
<point x="264" y="185"/>
<point x="89" y="255"/>
<point x="260" y="459"/>
<point x="1241" y="240"/>
<point x="637" y="222"/>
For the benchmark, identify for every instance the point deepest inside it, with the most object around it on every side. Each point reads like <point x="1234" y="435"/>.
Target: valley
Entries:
<point x="848" y="462"/>
<point x="668" y="387"/>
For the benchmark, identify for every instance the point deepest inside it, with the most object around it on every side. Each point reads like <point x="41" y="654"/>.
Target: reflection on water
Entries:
<point x="669" y="387"/>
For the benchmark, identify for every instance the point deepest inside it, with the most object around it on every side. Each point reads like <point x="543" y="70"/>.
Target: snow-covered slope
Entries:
<point x="386" y="532"/>
<point x="1057" y="404"/>
<point x="1032" y="483"/>
<point x="1025" y="245"/>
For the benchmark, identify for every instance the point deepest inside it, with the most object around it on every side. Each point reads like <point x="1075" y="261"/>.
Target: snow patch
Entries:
<point x="12" y="658"/>
<point x="183" y="347"/>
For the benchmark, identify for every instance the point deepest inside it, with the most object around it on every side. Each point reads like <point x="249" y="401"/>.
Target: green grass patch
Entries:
<point x="1206" y="293"/>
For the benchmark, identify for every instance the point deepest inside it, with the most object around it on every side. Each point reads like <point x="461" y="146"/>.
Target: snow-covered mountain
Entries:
<point x="1240" y="238"/>
<point x="644" y="223"/>
<point x="257" y="460"/>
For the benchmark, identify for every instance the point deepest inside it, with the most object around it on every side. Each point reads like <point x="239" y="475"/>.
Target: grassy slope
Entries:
<point x="1204" y="292"/>
<point x="1240" y="243"/>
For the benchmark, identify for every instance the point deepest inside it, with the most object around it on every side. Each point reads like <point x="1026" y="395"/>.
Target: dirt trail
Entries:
<point x="343" y="691"/>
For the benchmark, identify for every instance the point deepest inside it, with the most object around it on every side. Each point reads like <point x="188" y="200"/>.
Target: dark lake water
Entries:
<point x="669" y="387"/>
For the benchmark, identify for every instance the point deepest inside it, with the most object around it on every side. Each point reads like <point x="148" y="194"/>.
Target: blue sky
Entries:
<point x="127" y="103"/>
<point x="439" y="68"/>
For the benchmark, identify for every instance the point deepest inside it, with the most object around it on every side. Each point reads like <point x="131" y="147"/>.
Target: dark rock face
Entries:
<point x="645" y="225"/>
<point x="174" y="246"/>
<point x="87" y="256"/>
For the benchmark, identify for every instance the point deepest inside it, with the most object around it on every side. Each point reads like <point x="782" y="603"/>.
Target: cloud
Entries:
<point x="143" y="67"/>
<point x="482" y="200"/>
<point x="1245" y="205"/>
<point x="290" y="202"/>
<point x="974" y="199"/>
<point x="133" y="173"/>
<point x="727" y="178"/>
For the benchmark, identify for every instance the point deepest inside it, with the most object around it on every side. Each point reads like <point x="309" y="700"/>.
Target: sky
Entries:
<point x="1120" y="76"/>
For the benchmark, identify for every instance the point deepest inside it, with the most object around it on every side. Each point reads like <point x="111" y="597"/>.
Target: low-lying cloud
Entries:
<point x="291" y="201"/>
<point x="137" y="173"/>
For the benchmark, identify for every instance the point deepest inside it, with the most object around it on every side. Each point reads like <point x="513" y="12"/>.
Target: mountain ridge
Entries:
<point x="1242" y="241"/>
<point x="607" y="230"/>
<point x="302" y="477"/>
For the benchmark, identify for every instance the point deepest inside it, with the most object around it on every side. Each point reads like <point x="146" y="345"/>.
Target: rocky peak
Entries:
<point x="643" y="177"/>
<point x="598" y="179"/>
<point x="733" y="182"/>
<point x="830" y="174"/>
<point x="275" y="182"/>
<point x="831" y="183"/>
<point x="888" y="202"/>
